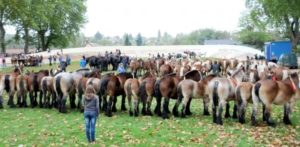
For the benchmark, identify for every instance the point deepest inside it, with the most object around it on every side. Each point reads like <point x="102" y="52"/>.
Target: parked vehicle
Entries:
<point x="288" y="60"/>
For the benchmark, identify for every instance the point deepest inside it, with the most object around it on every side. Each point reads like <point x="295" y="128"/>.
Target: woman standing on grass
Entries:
<point x="90" y="102"/>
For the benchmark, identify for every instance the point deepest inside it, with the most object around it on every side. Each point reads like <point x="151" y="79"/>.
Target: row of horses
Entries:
<point x="181" y="80"/>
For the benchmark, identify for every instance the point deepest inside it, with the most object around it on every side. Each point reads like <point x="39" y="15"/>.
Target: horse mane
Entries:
<point x="170" y="74"/>
<point x="125" y="74"/>
<point x="82" y="69"/>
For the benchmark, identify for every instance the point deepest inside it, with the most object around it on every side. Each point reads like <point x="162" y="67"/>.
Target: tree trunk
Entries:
<point x="42" y="38"/>
<point x="26" y="38"/>
<point x="2" y="38"/>
<point x="295" y="33"/>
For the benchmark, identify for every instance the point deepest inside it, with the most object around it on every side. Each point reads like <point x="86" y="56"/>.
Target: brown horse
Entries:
<point x="166" y="88"/>
<point x="221" y="91"/>
<point x="22" y="90"/>
<point x="131" y="88"/>
<point x="135" y="67"/>
<point x="165" y="69"/>
<point x="188" y="89"/>
<point x="8" y="83"/>
<point x="146" y="91"/>
<point x="270" y="92"/>
<point x="34" y="82"/>
<point x="224" y="64"/>
<point x="115" y="87"/>
<point x="48" y="91"/>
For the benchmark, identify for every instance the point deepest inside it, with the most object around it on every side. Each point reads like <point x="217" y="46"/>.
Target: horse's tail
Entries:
<point x="58" y="86"/>
<point x="157" y="92"/>
<point x="142" y="91"/>
<point x="256" y="90"/>
<point x="22" y="85"/>
<point x="179" y="92"/>
<point x="238" y="96"/>
<point x="215" y="95"/>
<point x="6" y="83"/>
<point x="44" y="85"/>
<point x="35" y="83"/>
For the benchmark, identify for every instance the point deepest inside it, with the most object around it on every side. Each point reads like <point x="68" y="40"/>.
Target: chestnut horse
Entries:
<point x="146" y="91"/>
<point x="221" y="91"/>
<point x="34" y="82"/>
<point x="115" y="87"/>
<point x="188" y="89"/>
<point x="8" y="83"/>
<point x="270" y="92"/>
<point x="131" y="88"/>
<point x="22" y="90"/>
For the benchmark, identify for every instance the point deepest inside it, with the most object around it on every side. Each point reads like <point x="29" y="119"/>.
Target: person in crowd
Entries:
<point x="50" y="60"/>
<point x="216" y="68"/>
<point x="90" y="102"/>
<point x="82" y="62"/>
<point x="121" y="68"/>
<point x="54" y="59"/>
<point x="68" y="59"/>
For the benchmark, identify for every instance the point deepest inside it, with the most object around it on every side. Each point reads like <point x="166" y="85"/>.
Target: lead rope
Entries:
<point x="294" y="88"/>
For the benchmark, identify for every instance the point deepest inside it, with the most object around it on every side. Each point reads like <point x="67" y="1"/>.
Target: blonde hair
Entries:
<point x="90" y="90"/>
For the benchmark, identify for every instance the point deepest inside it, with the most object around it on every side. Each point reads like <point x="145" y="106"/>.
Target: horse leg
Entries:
<point x="149" y="102"/>
<point x="19" y="97"/>
<point x="184" y="106"/>
<point x="267" y="113"/>
<point x="108" y="108"/>
<point x="63" y="104"/>
<point x="114" y="102"/>
<point x="220" y="111"/>
<point x="175" y="108"/>
<point x="31" y="99"/>
<point x="158" y="106"/>
<point x="255" y="101"/>
<point x="130" y="104"/>
<point x="136" y="106"/>
<point x="35" y="98"/>
<point x="214" y="109"/>
<point x="188" y="107"/>
<point x="235" y="111"/>
<point x="72" y="100"/>
<point x="165" y="108"/>
<point x="104" y="106"/>
<point x="227" y="114"/>
<point x="123" y="105"/>
<point x="264" y="109"/>
<point x="41" y="99"/>
<point x="206" y="103"/>
<point x="241" y="112"/>
<point x="11" y="99"/>
<point x="1" y="100"/>
<point x="286" y="114"/>
<point x="144" y="103"/>
<point x="24" y="101"/>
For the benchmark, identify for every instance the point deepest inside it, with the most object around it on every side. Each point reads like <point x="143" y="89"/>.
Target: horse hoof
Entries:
<point x="1" y="106"/>
<point x="149" y="113"/>
<point x="188" y="113"/>
<point x="175" y="114"/>
<point x="234" y="116"/>
<point x="144" y="112"/>
<point x="227" y="115"/>
<point x="13" y="106"/>
<point x="114" y="109"/>
<point x="206" y="113"/>
<point x="130" y="113"/>
<point x="136" y="114"/>
<point x="123" y="109"/>
<point x="165" y="116"/>
<point x="254" y="123"/>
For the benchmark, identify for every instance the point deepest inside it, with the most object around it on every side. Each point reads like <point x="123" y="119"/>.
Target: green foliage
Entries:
<point x="139" y="40"/>
<point x="127" y="41"/>
<point x="282" y="15"/>
<point x="256" y="39"/>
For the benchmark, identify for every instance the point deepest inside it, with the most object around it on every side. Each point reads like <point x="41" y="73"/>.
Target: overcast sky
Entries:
<point x="116" y="17"/>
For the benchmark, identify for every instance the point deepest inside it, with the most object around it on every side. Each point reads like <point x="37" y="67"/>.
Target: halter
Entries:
<point x="233" y="80"/>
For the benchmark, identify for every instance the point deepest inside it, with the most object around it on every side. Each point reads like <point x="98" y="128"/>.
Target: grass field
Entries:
<point x="48" y="127"/>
